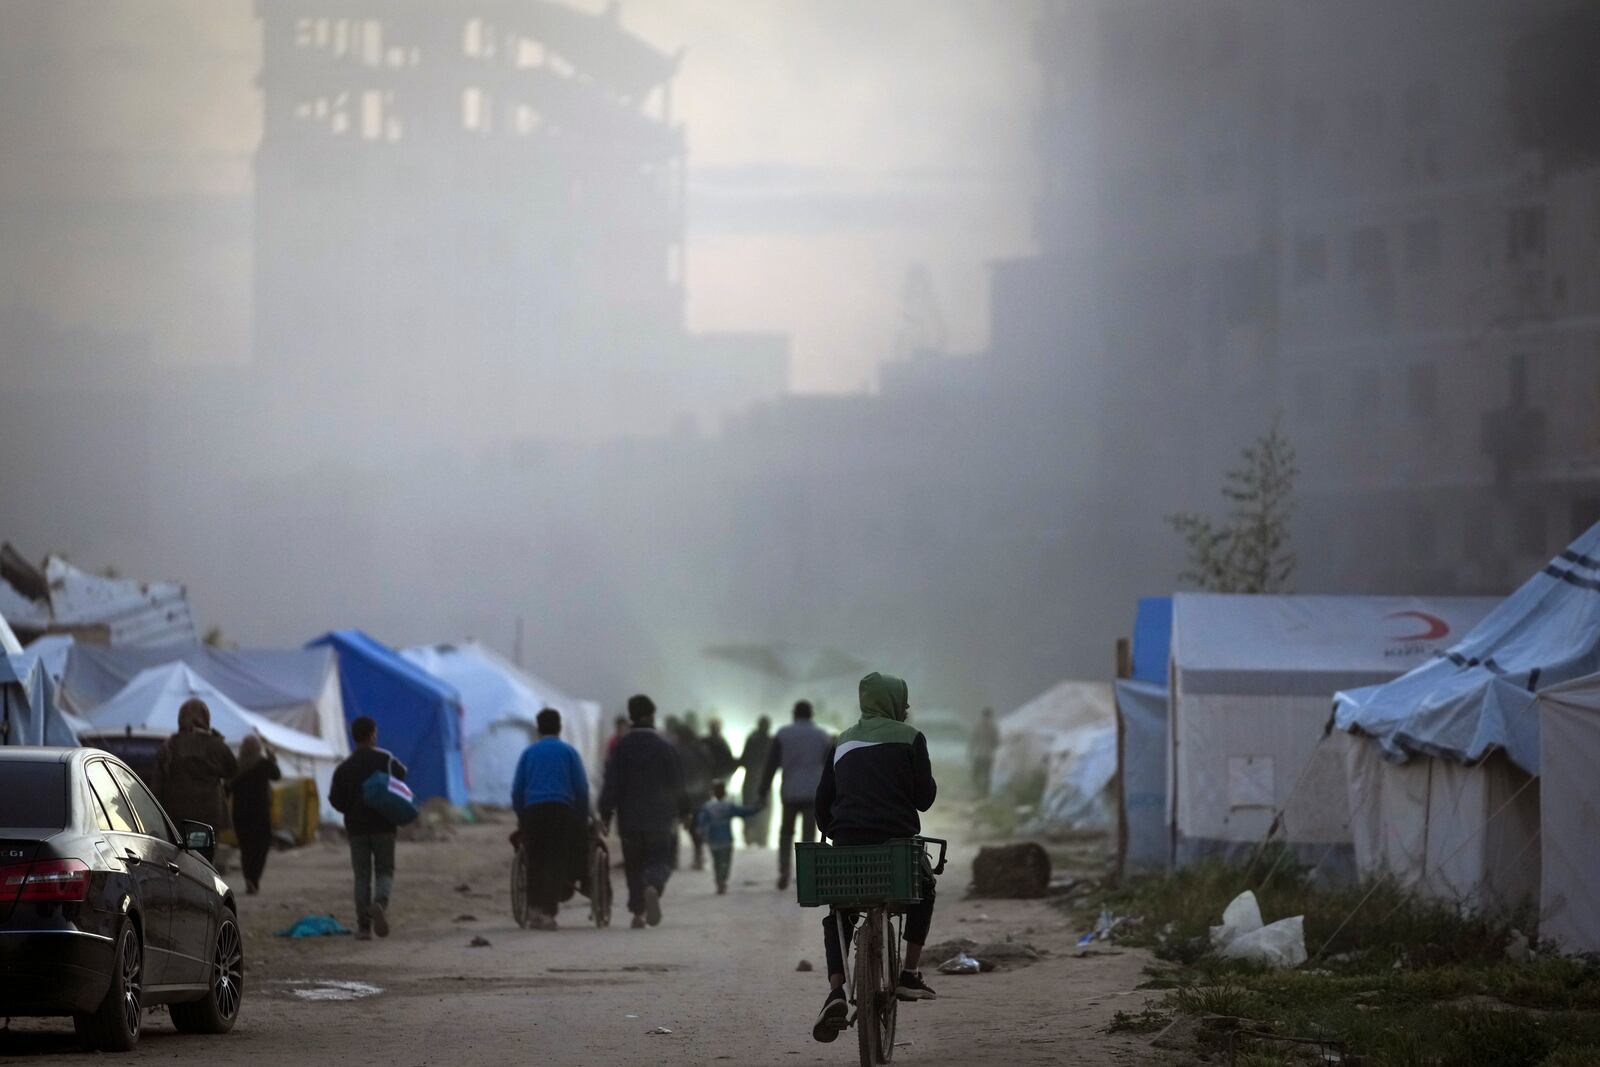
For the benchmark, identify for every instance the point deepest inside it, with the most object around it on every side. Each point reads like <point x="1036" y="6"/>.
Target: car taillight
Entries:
<point x="45" y="882"/>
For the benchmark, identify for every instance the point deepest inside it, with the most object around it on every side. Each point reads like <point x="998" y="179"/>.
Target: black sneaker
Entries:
<point x="834" y="1016"/>
<point x="652" y="905"/>
<point x="912" y="987"/>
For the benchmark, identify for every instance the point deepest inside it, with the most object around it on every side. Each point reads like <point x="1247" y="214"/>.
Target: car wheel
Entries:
<point x="216" y="1012"/>
<point x="114" y="1025"/>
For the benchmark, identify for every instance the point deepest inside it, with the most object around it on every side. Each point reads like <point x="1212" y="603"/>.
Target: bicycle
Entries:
<point x="597" y="872"/>
<point x="877" y="882"/>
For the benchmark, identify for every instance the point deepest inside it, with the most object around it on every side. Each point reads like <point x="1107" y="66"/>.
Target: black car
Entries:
<point x="105" y="907"/>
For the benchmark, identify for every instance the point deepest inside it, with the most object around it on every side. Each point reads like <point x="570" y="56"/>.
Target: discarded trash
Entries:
<point x="659" y="1030"/>
<point x="463" y="888"/>
<point x="1517" y="950"/>
<point x="478" y="942"/>
<point x="315" y="926"/>
<point x="961" y="963"/>
<point x="1104" y="927"/>
<point x="630" y="1015"/>
<point x="804" y="965"/>
<point x="331" y="989"/>
<point x="1242" y="936"/>
<point x="1241" y="916"/>
<point x="466" y="918"/>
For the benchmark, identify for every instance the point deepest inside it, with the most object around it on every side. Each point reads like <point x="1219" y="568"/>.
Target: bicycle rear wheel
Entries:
<point x="519" y="887"/>
<point x="891" y="1009"/>
<point x="869" y="987"/>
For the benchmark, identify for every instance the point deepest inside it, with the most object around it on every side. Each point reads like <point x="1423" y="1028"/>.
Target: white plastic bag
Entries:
<point x="960" y="963"/>
<point x="1279" y="944"/>
<point x="1242" y="916"/>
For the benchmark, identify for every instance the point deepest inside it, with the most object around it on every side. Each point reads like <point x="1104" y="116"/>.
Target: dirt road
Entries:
<point x="719" y="973"/>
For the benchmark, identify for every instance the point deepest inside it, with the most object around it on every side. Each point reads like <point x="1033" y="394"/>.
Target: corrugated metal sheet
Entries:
<point x="131" y="612"/>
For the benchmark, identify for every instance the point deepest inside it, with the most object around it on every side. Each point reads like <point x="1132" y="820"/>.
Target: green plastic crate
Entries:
<point x="863" y="875"/>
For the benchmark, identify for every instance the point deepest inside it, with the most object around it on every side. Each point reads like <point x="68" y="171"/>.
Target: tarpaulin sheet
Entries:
<point x="1142" y="712"/>
<point x="1152" y="640"/>
<point x="1068" y="734"/>
<point x="418" y="715"/>
<point x="499" y="702"/>
<point x="1477" y="696"/>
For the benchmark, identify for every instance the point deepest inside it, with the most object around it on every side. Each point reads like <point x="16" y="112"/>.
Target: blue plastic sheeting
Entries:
<point x="315" y="926"/>
<point x="1479" y="695"/>
<point x="1152" y="640"/>
<point x="1142" y="709"/>
<point x="418" y="716"/>
<point x="28" y="714"/>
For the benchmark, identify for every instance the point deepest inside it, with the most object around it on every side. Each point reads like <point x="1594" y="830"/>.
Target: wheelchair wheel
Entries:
<point x="519" y="888"/>
<point x="600" y="885"/>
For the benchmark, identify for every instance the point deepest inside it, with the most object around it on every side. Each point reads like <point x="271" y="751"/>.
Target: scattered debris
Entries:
<point x="329" y="989"/>
<point x="804" y="965"/>
<point x="1019" y="871"/>
<point x="463" y="888"/>
<point x="1105" y="926"/>
<point x="478" y="942"/>
<point x="1243" y="937"/>
<point x="659" y="1030"/>
<point x="466" y="918"/>
<point x="315" y="926"/>
<point x="961" y="963"/>
<point x="990" y="955"/>
<point x="1517" y="950"/>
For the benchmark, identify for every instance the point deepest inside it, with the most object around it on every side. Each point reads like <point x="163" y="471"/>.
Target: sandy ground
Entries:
<point x="719" y="973"/>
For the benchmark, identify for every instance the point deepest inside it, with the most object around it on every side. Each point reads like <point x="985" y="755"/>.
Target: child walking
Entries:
<point x="715" y="821"/>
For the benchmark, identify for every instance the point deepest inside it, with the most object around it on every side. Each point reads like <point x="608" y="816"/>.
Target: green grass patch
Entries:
<point x="1405" y="982"/>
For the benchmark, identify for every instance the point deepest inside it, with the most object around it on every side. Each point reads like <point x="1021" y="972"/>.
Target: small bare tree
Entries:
<point x="1249" y="552"/>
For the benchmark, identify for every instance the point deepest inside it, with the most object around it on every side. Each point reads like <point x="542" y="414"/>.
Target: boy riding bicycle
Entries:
<point x="877" y="779"/>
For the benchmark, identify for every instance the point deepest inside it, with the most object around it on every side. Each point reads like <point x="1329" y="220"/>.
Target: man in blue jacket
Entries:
<point x="644" y="789"/>
<point x="550" y="794"/>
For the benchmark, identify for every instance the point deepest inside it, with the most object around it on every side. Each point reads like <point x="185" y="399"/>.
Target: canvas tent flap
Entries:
<point x="28" y="715"/>
<point x="1569" y="906"/>
<point x="1478" y="695"/>
<point x="1142" y="718"/>
<point x="1068" y="735"/>
<point x="499" y="703"/>
<point x="418" y="715"/>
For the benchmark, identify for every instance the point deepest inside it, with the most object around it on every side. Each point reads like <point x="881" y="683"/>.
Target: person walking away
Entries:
<point x="550" y="794"/>
<point x="716" y="826"/>
<point x="619" y="726"/>
<point x="753" y="759"/>
<point x="193" y="769"/>
<point x="644" y="790"/>
<point x="717" y="751"/>
<point x="252" y="808"/>
<point x="697" y="776"/>
<point x="800" y="750"/>
<point x="371" y="835"/>
<point x="981" y="747"/>
<point x="877" y="779"/>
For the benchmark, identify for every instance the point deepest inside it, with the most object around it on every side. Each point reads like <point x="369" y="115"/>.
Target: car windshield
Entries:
<point x="32" y="795"/>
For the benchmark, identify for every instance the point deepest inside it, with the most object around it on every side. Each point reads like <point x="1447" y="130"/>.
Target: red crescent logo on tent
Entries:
<point x="1437" y="627"/>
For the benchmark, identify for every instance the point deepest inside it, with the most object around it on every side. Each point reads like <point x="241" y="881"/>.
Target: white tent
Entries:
<point x="499" y="702"/>
<point x="1069" y="735"/>
<point x="149" y="705"/>
<point x="1569" y="745"/>
<point x="294" y="687"/>
<point x="1253" y="678"/>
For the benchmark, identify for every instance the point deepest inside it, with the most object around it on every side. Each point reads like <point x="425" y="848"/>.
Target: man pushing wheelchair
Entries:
<point x="550" y="794"/>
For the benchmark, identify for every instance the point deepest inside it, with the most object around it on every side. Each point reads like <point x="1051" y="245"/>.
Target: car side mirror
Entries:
<point x="199" y="837"/>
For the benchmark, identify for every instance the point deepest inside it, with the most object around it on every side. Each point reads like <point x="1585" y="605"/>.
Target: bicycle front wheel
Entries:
<point x="869" y="987"/>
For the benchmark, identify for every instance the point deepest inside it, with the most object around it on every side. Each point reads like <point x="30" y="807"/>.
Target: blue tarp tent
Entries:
<point x="1152" y="640"/>
<point x="28" y="714"/>
<point x="1477" y="696"/>
<point x="418" y="715"/>
<point x="1144" y="842"/>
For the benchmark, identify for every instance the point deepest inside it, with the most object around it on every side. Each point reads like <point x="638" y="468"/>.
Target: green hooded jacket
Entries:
<point x="883" y="712"/>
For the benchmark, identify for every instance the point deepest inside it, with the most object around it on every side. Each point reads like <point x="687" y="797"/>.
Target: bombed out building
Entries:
<point x="496" y="189"/>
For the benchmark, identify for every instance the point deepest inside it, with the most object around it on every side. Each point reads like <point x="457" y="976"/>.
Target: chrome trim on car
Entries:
<point x="71" y="933"/>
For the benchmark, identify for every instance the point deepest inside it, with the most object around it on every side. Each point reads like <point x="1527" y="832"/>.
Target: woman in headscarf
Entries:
<point x="193" y="767"/>
<point x="252" y="808"/>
